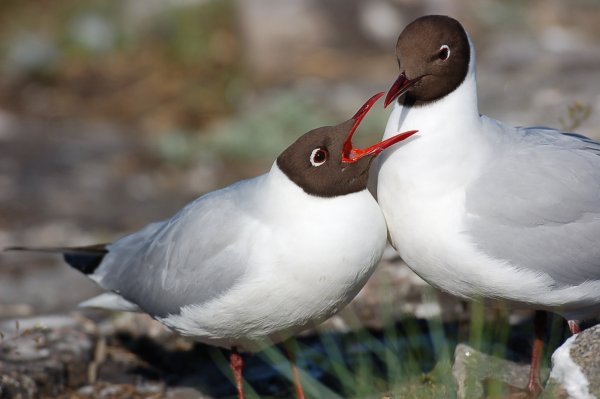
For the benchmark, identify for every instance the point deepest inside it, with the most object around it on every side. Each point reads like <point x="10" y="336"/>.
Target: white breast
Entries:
<point x="421" y="190"/>
<point x="309" y="259"/>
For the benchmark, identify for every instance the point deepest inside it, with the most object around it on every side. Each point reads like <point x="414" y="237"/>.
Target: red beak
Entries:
<point x="351" y="155"/>
<point x="398" y="88"/>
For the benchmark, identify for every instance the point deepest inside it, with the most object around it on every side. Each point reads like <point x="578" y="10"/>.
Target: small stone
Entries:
<point x="576" y="367"/>
<point x="185" y="393"/>
<point x="86" y="390"/>
<point x="110" y="391"/>
<point x="147" y="388"/>
<point x="472" y="367"/>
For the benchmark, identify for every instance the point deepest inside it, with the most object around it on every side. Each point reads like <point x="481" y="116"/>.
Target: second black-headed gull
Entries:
<point x="256" y="262"/>
<point x="481" y="209"/>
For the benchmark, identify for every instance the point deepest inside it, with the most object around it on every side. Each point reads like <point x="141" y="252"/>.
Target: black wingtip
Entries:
<point x="85" y="263"/>
<point x="85" y="259"/>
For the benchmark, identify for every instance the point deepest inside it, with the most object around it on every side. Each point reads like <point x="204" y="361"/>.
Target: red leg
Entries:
<point x="534" y="385"/>
<point x="289" y="350"/>
<point x="574" y="327"/>
<point x="237" y="364"/>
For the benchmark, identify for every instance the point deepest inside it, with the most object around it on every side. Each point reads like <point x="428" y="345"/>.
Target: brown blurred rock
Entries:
<point x="44" y="356"/>
<point x="17" y="386"/>
<point x="61" y="356"/>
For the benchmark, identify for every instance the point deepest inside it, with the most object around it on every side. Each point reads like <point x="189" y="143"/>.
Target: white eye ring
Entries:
<point x="440" y="52"/>
<point x="318" y="156"/>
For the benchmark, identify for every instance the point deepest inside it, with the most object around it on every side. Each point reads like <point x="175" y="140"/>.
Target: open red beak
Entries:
<point x="398" y="88"/>
<point x="349" y="154"/>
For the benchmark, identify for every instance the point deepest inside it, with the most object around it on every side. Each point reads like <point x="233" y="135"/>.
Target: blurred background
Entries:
<point x="117" y="113"/>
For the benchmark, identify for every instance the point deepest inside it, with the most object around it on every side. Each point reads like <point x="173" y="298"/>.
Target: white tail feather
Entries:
<point x="112" y="301"/>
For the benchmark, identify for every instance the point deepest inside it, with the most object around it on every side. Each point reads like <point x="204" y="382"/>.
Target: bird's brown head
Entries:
<point x="433" y="55"/>
<point x="324" y="163"/>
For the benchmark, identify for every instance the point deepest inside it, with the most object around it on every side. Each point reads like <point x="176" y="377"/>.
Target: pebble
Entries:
<point x="576" y="367"/>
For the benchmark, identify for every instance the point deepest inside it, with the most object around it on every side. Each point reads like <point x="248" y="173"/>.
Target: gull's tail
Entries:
<point x="85" y="259"/>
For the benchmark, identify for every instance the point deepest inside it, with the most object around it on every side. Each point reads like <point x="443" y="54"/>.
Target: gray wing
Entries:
<point x="189" y="259"/>
<point x="538" y="205"/>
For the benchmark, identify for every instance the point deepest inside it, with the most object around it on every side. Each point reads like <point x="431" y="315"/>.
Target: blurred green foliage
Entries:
<point x="259" y="134"/>
<point x="262" y="131"/>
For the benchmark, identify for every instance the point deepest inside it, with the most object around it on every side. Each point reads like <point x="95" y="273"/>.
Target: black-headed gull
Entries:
<point x="256" y="262"/>
<point x="481" y="209"/>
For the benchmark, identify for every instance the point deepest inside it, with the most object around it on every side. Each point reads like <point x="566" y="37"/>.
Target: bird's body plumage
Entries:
<point x="481" y="209"/>
<point x="253" y="264"/>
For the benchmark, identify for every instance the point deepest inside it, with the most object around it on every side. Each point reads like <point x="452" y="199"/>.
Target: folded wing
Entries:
<point x="538" y="206"/>
<point x="189" y="259"/>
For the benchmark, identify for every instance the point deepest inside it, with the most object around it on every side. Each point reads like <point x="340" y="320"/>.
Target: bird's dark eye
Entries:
<point x="444" y="53"/>
<point x="318" y="156"/>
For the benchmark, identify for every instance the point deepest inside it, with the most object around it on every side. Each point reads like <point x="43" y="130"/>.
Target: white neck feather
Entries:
<point x="456" y="110"/>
